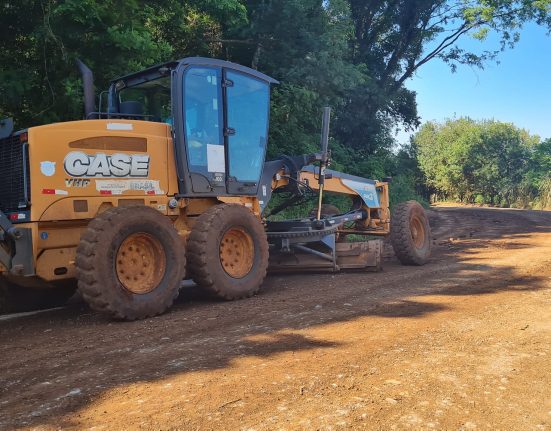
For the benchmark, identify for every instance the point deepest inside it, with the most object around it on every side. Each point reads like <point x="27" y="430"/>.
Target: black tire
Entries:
<point x="205" y="245"/>
<point x="327" y="210"/>
<point x="410" y="233"/>
<point x="99" y="255"/>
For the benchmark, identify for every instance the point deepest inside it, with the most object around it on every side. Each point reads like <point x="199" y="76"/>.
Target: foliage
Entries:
<point x="543" y="200"/>
<point x="483" y="162"/>
<point x="539" y="176"/>
<point x="403" y="188"/>
<point x="351" y="54"/>
<point x="40" y="40"/>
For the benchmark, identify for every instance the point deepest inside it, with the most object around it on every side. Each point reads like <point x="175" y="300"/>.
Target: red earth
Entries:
<point x="461" y="343"/>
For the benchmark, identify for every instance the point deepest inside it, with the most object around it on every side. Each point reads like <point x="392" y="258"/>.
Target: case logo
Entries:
<point x="79" y="164"/>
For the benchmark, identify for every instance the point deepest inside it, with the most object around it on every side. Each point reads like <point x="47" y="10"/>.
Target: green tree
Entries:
<point x="538" y="180"/>
<point x="488" y="160"/>
<point x="351" y="54"/>
<point x="445" y="156"/>
<point x="502" y="162"/>
<point x="394" y="38"/>
<point x="303" y="43"/>
<point x="40" y="40"/>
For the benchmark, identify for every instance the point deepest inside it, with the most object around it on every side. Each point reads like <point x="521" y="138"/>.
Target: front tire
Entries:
<point x="228" y="252"/>
<point x="130" y="263"/>
<point x="410" y="233"/>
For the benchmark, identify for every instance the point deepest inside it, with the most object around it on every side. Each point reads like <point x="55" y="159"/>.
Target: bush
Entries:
<point x="543" y="201"/>
<point x="480" y="200"/>
<point x="402" y="188"/>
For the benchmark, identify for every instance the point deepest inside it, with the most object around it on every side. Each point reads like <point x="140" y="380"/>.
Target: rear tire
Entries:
<point x="410" y="233"/>
<point x="130" y="263"/>
<point x="228" y="252"/>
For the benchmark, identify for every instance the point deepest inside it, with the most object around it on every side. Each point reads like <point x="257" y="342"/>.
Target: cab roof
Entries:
<point x="164" y="69"/>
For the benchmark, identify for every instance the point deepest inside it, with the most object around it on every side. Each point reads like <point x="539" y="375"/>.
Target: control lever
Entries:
<point x="324" y="154"/>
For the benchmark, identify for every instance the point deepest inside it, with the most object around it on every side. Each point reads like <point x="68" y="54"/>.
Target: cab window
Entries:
<point x="247" y="116"/>
<point x="151" y="100"/>
<point x="203" y="121"/>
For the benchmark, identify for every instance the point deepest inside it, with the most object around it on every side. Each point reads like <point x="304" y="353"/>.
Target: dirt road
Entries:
<point x="462" y="343"/>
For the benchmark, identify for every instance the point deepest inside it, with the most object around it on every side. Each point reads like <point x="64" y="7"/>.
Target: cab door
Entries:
<point x="203" y="129"/>
<point x="246" y="130"/>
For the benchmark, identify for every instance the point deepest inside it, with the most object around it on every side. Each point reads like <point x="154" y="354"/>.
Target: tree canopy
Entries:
<point x="354" y="55"/>
<point x="484" y="162"/>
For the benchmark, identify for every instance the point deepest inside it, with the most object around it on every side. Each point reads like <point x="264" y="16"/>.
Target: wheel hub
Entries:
<point x="417" y="232"/>
<point x="237" y="252"/>
<point x="141" y="263"/>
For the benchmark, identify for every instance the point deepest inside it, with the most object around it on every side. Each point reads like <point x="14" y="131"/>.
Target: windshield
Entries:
<point x="248" y="102"/>
<point x="151" y="99"/>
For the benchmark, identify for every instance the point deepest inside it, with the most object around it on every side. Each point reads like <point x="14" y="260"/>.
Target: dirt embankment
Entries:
<point x="461" y="343"/>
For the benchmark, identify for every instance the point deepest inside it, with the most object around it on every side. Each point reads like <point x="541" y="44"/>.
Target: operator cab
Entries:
<point x="219" y="114"/>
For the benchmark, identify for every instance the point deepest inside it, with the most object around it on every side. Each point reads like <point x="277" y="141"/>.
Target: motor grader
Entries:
<point x="166" y="179"/>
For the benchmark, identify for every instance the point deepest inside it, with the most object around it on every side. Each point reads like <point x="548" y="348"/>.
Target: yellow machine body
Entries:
<point x="79" y="169"/>
<point x="135" y="197"/>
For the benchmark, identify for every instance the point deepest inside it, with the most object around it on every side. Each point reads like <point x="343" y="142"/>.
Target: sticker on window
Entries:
<point x="216" y="161"/>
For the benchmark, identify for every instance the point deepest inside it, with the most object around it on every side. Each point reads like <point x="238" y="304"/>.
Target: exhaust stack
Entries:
<point x="88" y="87"/>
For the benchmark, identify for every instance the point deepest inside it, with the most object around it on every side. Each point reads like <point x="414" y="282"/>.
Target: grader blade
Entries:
<point x="365" y="255"/>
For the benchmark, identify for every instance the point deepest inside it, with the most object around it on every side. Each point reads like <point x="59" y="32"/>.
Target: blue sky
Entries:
<point x="517" y="90"/>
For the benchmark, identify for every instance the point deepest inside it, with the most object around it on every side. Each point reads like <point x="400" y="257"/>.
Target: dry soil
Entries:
<point x="461" y="343"/>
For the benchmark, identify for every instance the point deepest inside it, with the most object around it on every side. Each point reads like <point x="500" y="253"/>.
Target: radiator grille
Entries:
<point x="14" y="174"/>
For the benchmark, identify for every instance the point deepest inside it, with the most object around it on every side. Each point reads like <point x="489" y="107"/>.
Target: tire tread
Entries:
<point x="400" y="234"/>
<point x="197" y="253"/>
<point x="91" y="288"/>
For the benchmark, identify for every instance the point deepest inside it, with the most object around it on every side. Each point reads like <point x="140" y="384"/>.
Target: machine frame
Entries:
<point x="74" y="173"/>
